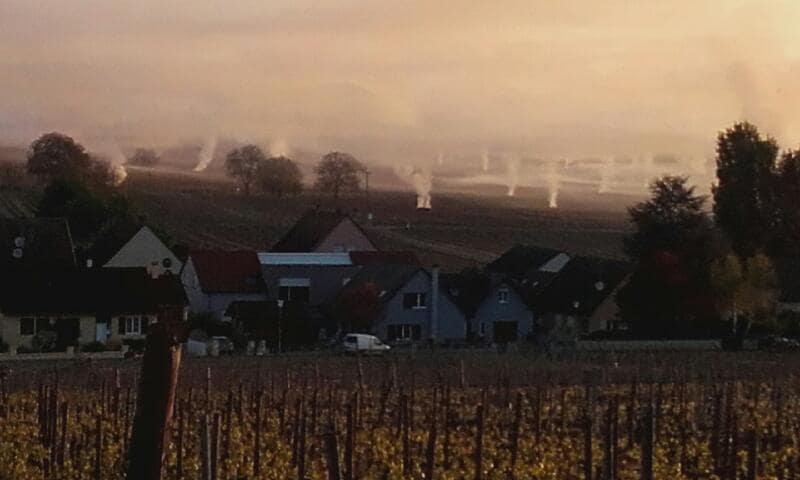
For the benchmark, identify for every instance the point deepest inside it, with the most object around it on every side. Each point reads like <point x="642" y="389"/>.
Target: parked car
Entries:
<point x="360" y="343"/>
<point x="778" y="344"/>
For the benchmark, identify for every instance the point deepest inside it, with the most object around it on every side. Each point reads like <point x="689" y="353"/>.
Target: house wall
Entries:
<point x="214" y="303"/>
<point x="491" y="310"/>
<point x="345" y="237"/>
<point x="326" y="280"/>
<point x="11" y="334"/>
<point x="452" y="325"/>
<point x="142" y="250"/>
<point x="116" y="336"/>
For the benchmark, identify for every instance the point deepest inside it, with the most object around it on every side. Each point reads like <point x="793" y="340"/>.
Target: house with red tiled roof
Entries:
<point x="213" y="279"/>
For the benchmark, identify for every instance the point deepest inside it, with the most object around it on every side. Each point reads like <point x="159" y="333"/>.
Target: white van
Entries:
<point x="364" y="344"/>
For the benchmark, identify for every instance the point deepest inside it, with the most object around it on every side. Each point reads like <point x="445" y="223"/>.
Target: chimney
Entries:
<point x="434" y="302"/>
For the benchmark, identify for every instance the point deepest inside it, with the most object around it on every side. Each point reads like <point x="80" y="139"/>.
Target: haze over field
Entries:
<point x="515" y="93"/>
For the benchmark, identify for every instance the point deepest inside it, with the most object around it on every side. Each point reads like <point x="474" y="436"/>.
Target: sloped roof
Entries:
<point x="228" y="271"/>
<point x="388" y="278"/>
<point x="99" y="291"/>
<point x="46" y="243"/>
<point x="468" y="290"/>
<point x="111" y="241"/>
<point x="383" y="258"/>
<point x="310" y="230"/>
<point x="521" y="259"/>
<point x="582" y="285"/>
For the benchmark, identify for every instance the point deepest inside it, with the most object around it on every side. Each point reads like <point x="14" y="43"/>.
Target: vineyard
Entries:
<point x="446" y="416"/>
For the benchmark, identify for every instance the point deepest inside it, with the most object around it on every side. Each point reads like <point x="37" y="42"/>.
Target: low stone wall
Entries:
<point x="647" y="345"/>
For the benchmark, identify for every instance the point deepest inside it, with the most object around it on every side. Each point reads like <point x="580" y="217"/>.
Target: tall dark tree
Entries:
<point x="785" y="246"/>
<point x="744" y="197"/>
<point x="279" y="176"/>
<point x="673" y="246"/>
<point x="242" y="164"/>
<point x="55" y="155"/>
<point x="338" y="172"/>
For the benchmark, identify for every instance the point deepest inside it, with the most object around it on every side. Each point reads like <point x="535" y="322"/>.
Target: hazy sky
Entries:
<point x="389" y="79"/>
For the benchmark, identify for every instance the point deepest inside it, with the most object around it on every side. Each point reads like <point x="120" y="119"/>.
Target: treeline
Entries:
<point x="723" y="271"/>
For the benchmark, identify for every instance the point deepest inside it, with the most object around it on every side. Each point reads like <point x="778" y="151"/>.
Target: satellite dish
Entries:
<point x="599" y="286"/>
<point x="19" y="242"/>
<point x="17" y="253"/>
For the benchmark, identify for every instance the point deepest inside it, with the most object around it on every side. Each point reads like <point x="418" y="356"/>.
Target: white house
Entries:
<point x="143" y="249"/>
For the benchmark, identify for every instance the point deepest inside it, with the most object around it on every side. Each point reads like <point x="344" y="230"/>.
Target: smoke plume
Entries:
<point x="206" y="154"/>
<point x="512" y="165"/>
<point x="553" y="186"/>
<point x="485" y="161"/>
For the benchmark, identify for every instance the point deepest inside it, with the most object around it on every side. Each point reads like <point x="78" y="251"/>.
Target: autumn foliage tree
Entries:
<point x="357" y="307"/>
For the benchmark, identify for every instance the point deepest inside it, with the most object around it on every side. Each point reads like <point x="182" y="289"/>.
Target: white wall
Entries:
<point x="143" y="250"/>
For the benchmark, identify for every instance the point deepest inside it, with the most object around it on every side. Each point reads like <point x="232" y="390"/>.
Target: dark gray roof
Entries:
<point x="521" y="259"/>
<point x="98" y="291"/>
<point x="40" y="243"/>
<point x="310" y="230"/>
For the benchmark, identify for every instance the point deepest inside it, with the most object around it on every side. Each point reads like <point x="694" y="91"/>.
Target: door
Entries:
<point x="505" y="332"/>
<point x="68" y="330"/>
<point x="101" y="332"/>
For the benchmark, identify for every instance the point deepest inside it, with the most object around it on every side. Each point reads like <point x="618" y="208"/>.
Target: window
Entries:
<point x="415" y="301"/>
<point x="32" y="326"/>
<point x="27" y="326"/>
<point x="294" y="289"/>
<point x="404" y="332"/>
<point x="134" y="325"/>
<point x="294" y="294"/>
<point x="502" y="295"/>
<point x="483" y="328"/>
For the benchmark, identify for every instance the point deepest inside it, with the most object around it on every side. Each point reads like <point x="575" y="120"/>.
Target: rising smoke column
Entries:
<point x="512" y="172"/>
<point x="112" y="152"/>
<point x="485" y="161"/>
<point x="422" y="181"/>
<point x="553" y="185"/>
<point x="206" y="154"/>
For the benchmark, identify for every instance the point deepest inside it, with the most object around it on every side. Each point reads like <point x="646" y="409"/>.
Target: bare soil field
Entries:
<point x="463" y="229"/>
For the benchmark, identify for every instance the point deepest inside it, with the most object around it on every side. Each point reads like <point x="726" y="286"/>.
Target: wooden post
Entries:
<point x="331" y="452"/>
<point x="515" y="428"/>
<point x="205" y="448"/>
<point x="348" y="443"/>
<point x="647" y="443"/>
<point x="97" y="470"/>
<point x="752" y="456"/>
<point x="430" y="450"/>
<point x="479" y="442"/>
<point x="155" y="403"/>
<point x="257" y="439"/>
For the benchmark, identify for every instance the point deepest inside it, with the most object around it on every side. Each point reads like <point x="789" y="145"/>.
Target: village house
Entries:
<point x="35" y="243"/>
<point x="411" y="304"/>
<point x="496" y="310"/>
<point x="133" y="246"/>
<point x="75" y="306"/>
<point x="323" y="231"/>
<point x="214" y="279"/>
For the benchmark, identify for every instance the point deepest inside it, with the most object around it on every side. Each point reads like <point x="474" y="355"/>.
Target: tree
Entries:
<point x="749" y="290"/>
<point x="673" y="245"/>
<point x="744" y="197"/>
<point x="86" y="211"/>
<point x="144" y="157"/>
<point x="357" y="307"/>
<point x="243" y="163"/>
<point x="279" y="176"/>
<point x="785" y="246"/>
<point x="55" y="155"/>
<point x="337" y="172"/>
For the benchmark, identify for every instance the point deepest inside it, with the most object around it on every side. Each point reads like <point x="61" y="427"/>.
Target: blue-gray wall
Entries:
<point x="452" y="325"/>
<point x="491" y="310"/>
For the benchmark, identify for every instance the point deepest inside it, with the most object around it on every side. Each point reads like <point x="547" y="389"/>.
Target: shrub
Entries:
<point x="44" y="341"/>
<point x="135" y="345"/>
<point x="94" y="347"/>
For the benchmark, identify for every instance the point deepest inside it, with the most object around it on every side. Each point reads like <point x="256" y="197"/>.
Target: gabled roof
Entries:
<point x="113" y="239"/>
<point x="582" y="285"/>
<point x="228" y="271"/>
<point x="522" y="259"/>
<point x="383" y="258"/>
<point x="98" y="291"/>
<point x="40" y="243"/>
<point x="389" y="279"/>
<point x="310" y="230"/>
<point x="467" y="289"/>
